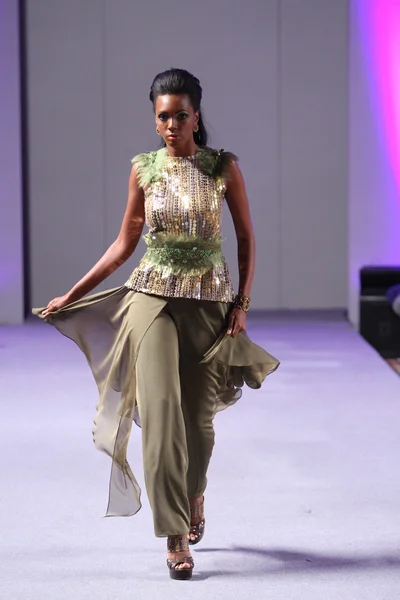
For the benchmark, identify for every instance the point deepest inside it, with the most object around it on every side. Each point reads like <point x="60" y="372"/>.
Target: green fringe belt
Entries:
<point x="182" y="254"/>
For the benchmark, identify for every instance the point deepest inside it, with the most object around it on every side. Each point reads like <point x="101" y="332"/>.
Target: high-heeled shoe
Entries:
<point x="179" y="543"/>
<point x="197" y="523"/>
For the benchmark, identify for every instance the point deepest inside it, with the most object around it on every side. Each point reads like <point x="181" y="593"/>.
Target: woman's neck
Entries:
<point x="189" y="149"/>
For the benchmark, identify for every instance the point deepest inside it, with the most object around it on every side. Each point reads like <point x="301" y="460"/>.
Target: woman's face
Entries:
<point x="176" y="119"/>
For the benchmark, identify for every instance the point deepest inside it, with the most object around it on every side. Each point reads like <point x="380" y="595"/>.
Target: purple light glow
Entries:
<point x="385" y="30"/>
<point x="378" y="23"/>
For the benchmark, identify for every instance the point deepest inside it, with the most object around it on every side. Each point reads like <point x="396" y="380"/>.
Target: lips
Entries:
<point x="173" y="136"/>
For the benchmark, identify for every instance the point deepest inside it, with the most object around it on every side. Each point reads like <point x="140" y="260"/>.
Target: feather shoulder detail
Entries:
<point x="149" y="166"/>
<point x="214" y="163"/>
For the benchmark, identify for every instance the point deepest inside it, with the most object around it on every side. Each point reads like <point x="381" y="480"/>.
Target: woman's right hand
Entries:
<point x="56" y="304"/>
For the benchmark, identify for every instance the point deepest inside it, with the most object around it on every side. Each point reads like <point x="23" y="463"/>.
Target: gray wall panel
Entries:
<point x="66" y="142"/>
<point x="313" y="156"/>
<point x="11" y="242"/>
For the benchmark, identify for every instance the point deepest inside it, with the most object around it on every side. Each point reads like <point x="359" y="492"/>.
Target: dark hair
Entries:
<point x="179" y="81"/>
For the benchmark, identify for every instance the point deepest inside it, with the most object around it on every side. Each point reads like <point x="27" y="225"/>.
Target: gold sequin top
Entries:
<point x="183" y="209"/>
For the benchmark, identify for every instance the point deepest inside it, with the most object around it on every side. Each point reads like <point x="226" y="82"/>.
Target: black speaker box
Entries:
<point x="379" y="325"/>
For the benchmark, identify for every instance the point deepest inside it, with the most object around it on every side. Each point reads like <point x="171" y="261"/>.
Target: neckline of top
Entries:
<point x="181" y="157"/>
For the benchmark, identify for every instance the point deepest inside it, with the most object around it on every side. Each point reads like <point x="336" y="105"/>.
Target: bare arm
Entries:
<point x="238" y="204"/>
<point x="119" y="251"/>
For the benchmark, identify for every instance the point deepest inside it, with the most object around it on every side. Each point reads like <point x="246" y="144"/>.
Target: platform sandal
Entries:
<point x="179" y="543"/>
<point x="197" y="523"/>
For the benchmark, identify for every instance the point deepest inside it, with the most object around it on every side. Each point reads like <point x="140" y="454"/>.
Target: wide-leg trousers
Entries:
<point x="176" y="397"/>
<point x="171" y="360"/>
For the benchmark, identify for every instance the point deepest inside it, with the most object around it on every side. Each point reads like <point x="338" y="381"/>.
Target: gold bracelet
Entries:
<point x="243" y="302"/>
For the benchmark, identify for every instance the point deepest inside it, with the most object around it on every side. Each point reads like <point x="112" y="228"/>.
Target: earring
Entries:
<point x="158" y="131"/>
<point x="196" y="128"/>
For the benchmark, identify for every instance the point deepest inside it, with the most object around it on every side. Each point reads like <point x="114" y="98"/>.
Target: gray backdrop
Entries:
<point x="274" y="75"/>
<point x="11" y="249"/>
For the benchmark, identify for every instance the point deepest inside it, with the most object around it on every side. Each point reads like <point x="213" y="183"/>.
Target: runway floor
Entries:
<point x="303" y="499"/>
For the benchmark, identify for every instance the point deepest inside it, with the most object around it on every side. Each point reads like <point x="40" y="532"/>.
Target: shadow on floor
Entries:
<point x="276" y="561"/>
<point x="293" y="561"/>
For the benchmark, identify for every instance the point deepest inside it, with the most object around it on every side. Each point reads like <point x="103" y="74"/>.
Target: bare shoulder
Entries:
<point x="234" y="170"/>
<point x="234" y="178"/>
<point x="134" y="175"/>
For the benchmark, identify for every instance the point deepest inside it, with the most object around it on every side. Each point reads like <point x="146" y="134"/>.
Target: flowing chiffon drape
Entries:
<point x="109" y="327"/>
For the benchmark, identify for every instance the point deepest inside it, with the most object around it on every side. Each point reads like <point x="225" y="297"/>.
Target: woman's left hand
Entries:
<point x="236" y="322"/>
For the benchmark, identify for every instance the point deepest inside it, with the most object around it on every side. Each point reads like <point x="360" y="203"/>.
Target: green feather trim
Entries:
<point x="181" y="254"/>
<point x="214" y="163"/>
<point x="159" y="239"/>
<point x="150" y="166"/>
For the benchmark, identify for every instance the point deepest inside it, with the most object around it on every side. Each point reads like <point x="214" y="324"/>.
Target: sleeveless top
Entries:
<point x="183" y="210"/>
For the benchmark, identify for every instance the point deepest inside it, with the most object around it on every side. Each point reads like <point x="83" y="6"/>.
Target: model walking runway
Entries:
<point x="169" y="348"/>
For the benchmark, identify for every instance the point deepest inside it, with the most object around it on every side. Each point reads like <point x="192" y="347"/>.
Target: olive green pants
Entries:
<point x="176" y="400"/>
